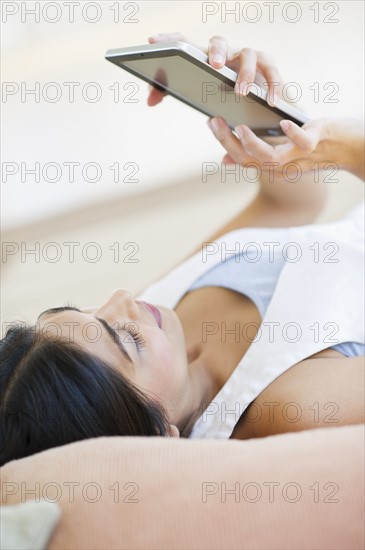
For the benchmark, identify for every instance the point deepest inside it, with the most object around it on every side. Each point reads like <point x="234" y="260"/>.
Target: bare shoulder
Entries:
<point x="315" y="393"/>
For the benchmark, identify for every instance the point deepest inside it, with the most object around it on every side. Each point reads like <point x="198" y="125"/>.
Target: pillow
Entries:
<point x="27" y="525"/>
<point x="301" y="490"/>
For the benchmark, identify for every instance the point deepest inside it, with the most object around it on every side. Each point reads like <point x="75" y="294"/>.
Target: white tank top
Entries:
<point x="318" y="302"/>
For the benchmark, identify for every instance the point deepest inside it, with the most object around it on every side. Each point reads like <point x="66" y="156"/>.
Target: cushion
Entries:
<point x="295" y="490"/>
<point x="27" y="525"/>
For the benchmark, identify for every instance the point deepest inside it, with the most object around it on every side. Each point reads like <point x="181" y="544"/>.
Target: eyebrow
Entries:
<point x="57" y="310"/>
<point x="112" y="333"/>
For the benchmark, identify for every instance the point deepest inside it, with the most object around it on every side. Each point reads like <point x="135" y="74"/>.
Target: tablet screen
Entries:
<point x="204" y="91"/>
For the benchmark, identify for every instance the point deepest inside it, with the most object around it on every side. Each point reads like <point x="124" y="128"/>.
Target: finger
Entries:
<point x="167" y="37"/>
<point x="306" y="138"/>
<point x="225" y="136"/>
<point x="174" y="37"/>
<point x="228" y="160"/>
<point x="256" y="147"/>
<point x="233" y="59"/>
<point x="155" y="96"/>
<point x="247" y="72"/>
<point x="272" y="81"/>
<point x="217" y="51"/>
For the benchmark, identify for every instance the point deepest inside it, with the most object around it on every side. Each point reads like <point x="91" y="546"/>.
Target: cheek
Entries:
<point x="165" y="361"/>
<point x="167" y="367"/>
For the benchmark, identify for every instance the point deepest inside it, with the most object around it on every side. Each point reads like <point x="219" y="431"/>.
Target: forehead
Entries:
<point x="67" y="323"/>
<point x="83" y="329"/>
<point x="57" y="311"/>
<point x="62" y="323"/>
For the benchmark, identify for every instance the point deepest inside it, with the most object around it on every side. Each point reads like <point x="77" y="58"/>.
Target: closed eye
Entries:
<point x="114" y="335"/>
<point x="136" y="335"/>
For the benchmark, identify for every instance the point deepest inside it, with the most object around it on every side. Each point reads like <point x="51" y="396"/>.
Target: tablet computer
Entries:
<point x="183" y="71"/>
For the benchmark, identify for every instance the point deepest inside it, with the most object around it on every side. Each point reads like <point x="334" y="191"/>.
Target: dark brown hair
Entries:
<point x="52" y="393"/>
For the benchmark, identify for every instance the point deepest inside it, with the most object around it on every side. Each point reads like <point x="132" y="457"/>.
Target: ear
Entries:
<point x="174" y="432"/>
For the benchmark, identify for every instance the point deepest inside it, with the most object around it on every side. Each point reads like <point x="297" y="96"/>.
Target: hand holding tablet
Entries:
<point x="241" y="91"/>
<point x="188" y="73"/>
<point x="247" y="63"/>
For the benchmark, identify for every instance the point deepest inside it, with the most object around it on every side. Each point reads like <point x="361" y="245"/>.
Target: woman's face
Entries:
<point x="158" y="366"/>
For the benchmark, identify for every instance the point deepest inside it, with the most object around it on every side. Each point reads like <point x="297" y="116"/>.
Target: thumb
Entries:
<point x="308" y="136"/>
<point x="174" y="432"/>
<point x="228" y="160"/>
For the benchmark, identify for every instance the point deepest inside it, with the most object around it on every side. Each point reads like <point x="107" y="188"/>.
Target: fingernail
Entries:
<point x="241" y="87"/>
<point x="285" y="124"/>
<point x="213" y="125"/>
<point x="271" y="100"/>
<point x="239" y="131"/>
<point x="274" y="100"/>
<point x="217" y="58"/>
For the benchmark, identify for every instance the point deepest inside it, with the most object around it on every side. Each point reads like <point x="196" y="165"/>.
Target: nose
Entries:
<point x="120" y="305"/>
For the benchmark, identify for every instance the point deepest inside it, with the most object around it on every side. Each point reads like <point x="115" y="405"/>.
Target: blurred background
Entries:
<point x="74" y="238"/>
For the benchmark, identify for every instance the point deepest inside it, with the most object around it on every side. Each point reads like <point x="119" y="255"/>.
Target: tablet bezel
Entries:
<point x="197" y="57"/>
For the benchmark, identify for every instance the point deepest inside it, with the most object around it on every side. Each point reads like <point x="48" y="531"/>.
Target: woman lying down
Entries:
<point x="259" y="331"/>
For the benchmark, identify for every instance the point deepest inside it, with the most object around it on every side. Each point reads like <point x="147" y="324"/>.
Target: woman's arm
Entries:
<point x="282" y="200"/>
<point x="338" y="141"/>
<point x="290" y="167"/>
<point x="348" y="138"/>
<point x="314" y="393"/>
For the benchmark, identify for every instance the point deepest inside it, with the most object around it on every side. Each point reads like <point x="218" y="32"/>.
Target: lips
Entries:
<point x="155" y="312"/>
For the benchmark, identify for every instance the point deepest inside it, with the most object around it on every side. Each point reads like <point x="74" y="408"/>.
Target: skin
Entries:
<point x="175" y="367"/>
<point x="160" y="367"/>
